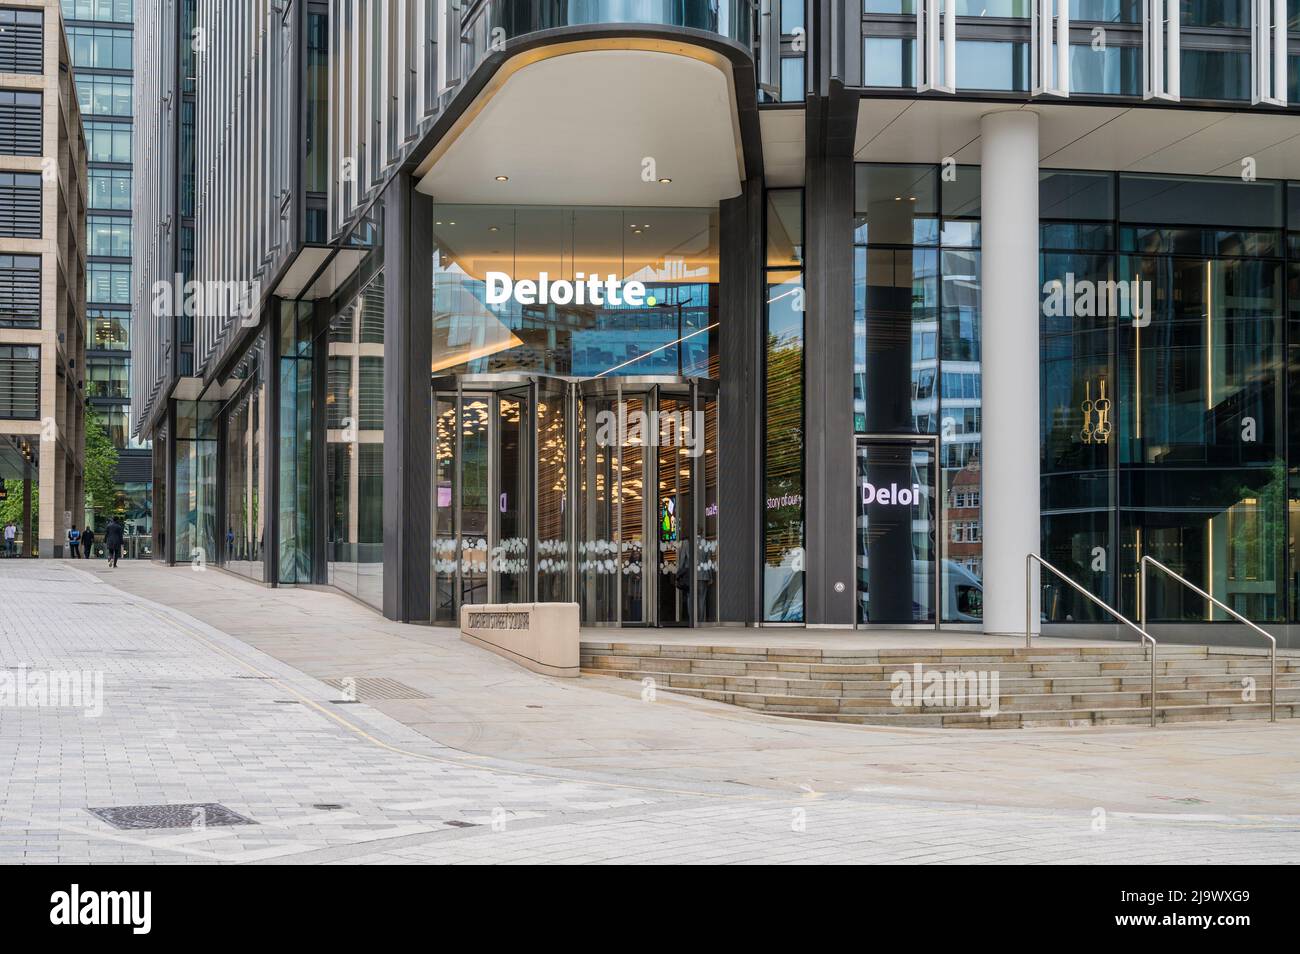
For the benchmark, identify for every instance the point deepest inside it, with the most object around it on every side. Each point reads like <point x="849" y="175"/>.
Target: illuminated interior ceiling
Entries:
<point x="661" y="245"/>
<point x="574" y="124"/>
<point x="1182" y="141"/>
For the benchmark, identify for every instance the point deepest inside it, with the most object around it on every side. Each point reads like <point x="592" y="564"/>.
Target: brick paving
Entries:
<point x="191" y="714"/>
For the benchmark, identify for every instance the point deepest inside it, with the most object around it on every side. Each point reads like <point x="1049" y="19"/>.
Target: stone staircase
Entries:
<point x="1042" y="686"/>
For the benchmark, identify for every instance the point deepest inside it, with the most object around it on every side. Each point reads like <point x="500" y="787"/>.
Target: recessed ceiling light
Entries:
<point x="665" y="181"/>
<point x="503" y="178"/>
<point x="492" y="228"/>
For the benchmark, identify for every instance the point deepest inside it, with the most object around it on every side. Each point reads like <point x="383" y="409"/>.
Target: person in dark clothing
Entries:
<point x="88" y="543"/>
<point x="113" y="541"/>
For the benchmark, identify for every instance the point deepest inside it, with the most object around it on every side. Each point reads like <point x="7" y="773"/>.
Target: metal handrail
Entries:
<point x="1030" y="559"/>
<point x="1142" y="615"/>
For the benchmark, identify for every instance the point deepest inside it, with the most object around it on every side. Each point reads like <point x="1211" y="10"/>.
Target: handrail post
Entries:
<point x="1029" y="600"/>
<point x="1142" y="622"/>
<point x="1141" y="630"/>
<point x="1234" y="614"/>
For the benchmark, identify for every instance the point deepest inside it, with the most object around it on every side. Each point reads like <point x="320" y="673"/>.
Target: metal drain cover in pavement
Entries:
<point x="193" y="815"/>
<point x="368" y="688"/>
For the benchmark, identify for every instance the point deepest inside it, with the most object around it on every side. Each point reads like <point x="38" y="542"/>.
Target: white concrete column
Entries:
<point x="1009" y="351"/>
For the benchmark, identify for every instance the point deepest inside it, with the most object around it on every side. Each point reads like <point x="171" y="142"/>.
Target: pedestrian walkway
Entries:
<point x="218" y="699"/>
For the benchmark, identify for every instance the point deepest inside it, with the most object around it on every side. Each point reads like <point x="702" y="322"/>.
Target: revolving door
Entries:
<point x="602" y="492"/>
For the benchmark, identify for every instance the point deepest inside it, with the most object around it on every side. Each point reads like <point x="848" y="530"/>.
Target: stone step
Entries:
<point x="1006" y="685"/>
<point x="1164" y="667"/>
<point x="906" y="657"/>
<point x="1068" y="718"/>
<point x="1026" y="703"/>
<point x="1016" y="710"/>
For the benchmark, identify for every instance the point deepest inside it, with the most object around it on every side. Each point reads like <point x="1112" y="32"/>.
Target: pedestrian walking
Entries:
<point x="11" y="543"/>
<point x="87" y="543"/>
<point x="113" y="541"/>
<point x="74" y="542"/>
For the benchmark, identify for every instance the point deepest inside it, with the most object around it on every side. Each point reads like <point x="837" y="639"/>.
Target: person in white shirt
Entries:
<point x="11" y="533"/>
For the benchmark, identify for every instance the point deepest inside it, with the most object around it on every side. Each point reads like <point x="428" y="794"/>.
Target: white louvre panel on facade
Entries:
<point x="242" y="219"/>
<point x="1049" y="46"/>
<point x="936" y="46"/>
<point x="1161" y="50"/>
<point x="154" y="212"/>
<point x="1268" y="27"/>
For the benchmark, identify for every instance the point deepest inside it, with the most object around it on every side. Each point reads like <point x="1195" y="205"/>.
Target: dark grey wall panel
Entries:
<point x="740" y="400"/>
<point x="408" y="356"/>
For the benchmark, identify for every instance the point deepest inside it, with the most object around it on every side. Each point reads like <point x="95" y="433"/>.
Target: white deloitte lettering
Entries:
<point x="891" y="495"/>
<point x="103" y="907"/>
<point x="583" y="290"/>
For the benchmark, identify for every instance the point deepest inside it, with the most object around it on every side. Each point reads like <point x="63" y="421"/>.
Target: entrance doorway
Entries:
<point x="602" y="492"/>
<point x="897" y="540"/>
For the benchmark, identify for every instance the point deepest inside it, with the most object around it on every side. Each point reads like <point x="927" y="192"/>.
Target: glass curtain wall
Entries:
<point x="196" y="482"/>
<point x="1079" y="433"/>
<point x="294" y="492"/>
<point x="1105" y="55"/>
<point x="245" y="470"/>
<point x="783" y="475"/>
<point x="1164" y="417"/>
<point x="1203" y="440"/>
<point x="354" y="405"/>
<point x="917" y="342"/>
<point x="1293" y="370"/>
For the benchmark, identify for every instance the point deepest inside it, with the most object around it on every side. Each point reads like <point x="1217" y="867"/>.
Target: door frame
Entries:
<point x="930" y="442"/>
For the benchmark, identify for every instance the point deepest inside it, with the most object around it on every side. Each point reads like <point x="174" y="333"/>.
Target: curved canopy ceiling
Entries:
<point x="575" y="128"/>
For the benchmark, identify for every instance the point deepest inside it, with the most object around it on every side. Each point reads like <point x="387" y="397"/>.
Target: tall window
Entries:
<point x="783" y="472"/>
<point x="917" y="336"/>
<point x="100" y="47"/>
<point x="108" y="142"/>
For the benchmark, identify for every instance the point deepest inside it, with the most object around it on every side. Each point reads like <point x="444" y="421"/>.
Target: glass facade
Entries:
<point x="1164" y="408"/>
<point x="196" y="482"/>
<point x="917" y="345"/>
<point x="783" y="474"/>
<point x="295" y="421"/>
<point x="245" y="469"/>
<point x="101" y="40"/>
<point x="354" y="406"/>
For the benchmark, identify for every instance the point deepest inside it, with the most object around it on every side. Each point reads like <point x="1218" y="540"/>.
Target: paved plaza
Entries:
<point x="339" y="737"/>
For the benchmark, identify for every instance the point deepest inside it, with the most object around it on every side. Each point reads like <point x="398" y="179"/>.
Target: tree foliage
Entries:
<point x="101" y="468"/>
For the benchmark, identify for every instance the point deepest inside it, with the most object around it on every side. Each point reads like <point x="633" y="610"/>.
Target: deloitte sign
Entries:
<point x="583" y="290"/>
<point x="892" y="495"/>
